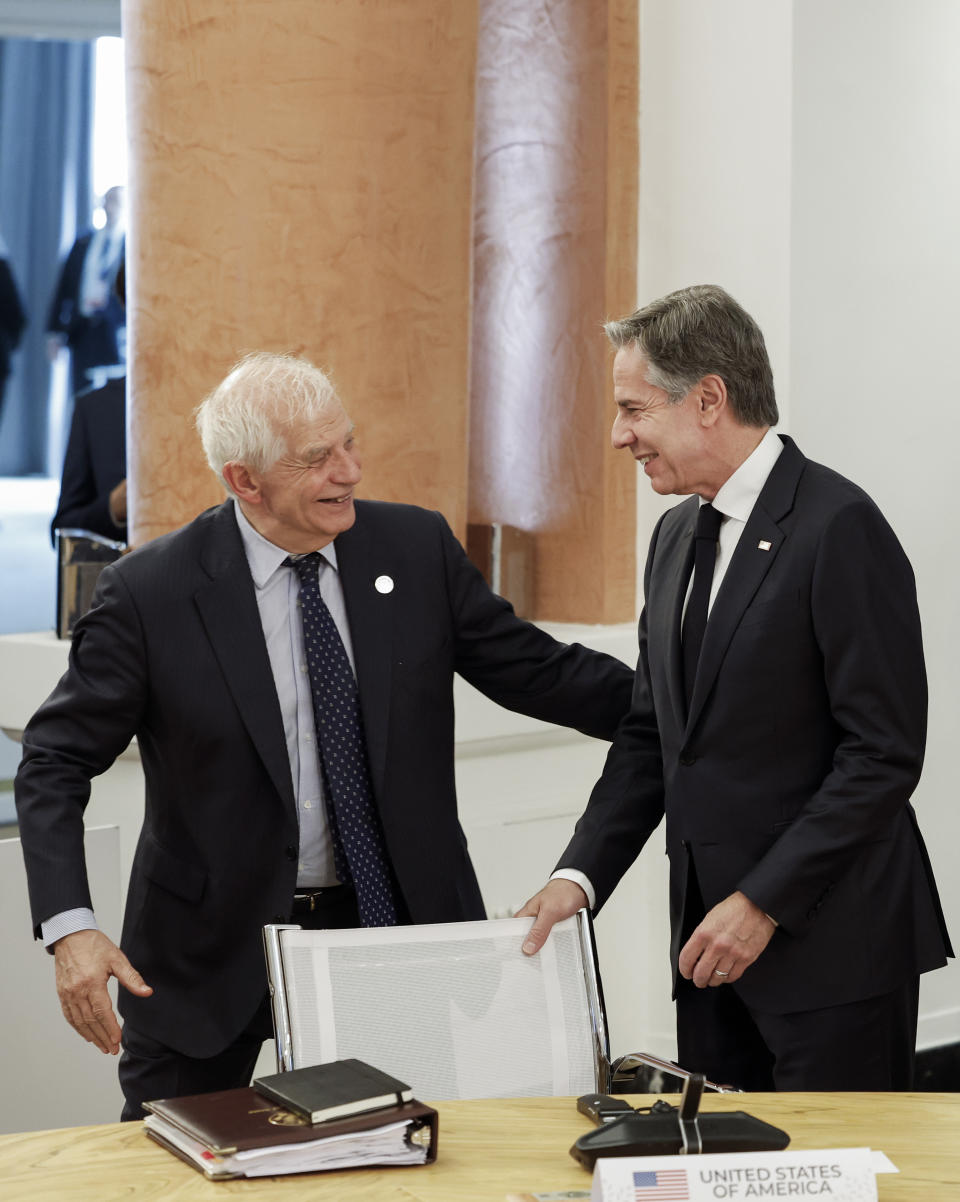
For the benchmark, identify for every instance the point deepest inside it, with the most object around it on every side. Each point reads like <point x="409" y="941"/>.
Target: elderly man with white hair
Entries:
<point x="286" y="663"/>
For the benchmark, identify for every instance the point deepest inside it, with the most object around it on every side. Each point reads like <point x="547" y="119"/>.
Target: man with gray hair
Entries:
<point x="778" y="722"/>
<point x="286" y="664"/>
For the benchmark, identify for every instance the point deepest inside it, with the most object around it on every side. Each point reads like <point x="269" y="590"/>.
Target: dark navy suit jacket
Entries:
<point x="92" y="340"/>
<point x="789" y="777"/>
<point x="12" y="321"/>
<point x="95" y="462"/>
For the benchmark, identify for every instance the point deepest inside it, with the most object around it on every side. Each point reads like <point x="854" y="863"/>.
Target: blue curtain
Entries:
<point x="46" y="199"/>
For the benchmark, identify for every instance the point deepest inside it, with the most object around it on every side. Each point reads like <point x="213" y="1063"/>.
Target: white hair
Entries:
<point x="246" y="418"/>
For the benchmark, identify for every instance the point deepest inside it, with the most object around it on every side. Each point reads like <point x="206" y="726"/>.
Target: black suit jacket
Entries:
<point x="173" y="653"/>
<point x="790" y="777"/>
<point x="95" y="462"/>
<point x="12" y="319"/>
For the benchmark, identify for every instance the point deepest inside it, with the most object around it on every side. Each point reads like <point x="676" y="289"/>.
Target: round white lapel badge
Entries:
<point x="383" y="584"/>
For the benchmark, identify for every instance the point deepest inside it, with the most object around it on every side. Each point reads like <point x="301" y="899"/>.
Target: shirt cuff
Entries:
<point x="578" y="878"/>
<point x="68" y="922"/>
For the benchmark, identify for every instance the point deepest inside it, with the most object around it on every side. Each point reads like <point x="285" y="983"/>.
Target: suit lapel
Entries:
<point x="755" y="554"/>
<point x="228" y="610"/>
<point x="362" y="558"/>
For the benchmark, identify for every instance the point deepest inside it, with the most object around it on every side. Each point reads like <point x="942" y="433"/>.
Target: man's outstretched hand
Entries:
<point x="85" y="961"/>
<point x="557" y="900"/>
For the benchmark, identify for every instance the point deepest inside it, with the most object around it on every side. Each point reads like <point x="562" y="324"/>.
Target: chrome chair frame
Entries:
<point x="608" y="1073"/>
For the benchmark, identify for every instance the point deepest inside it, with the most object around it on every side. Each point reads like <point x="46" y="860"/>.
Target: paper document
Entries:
<point x="382" y="1145"/>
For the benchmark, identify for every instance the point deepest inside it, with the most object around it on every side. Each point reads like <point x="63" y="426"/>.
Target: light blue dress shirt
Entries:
<point x="278" y="599"/>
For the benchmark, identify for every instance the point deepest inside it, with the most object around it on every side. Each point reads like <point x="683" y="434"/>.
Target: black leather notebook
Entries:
<point x="335" y="1090"/>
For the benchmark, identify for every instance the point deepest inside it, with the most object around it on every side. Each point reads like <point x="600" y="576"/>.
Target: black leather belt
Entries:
<point x="308" y="901"/>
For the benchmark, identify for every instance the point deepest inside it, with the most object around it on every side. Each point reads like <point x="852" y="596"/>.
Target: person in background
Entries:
<point x="778" y="721"/>
<point x="85" y="315"/>
<point x="12" y="317"/>
<point x="93" y="485"/>
<point x="285" y="663"/>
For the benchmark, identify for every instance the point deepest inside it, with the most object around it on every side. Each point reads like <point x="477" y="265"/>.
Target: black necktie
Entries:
<point x="695" y="618"/>
<point x="358" y="848"/>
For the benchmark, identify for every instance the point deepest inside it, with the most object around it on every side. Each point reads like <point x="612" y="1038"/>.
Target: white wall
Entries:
<point x="805" y="156"/>
<point x="715" y="105"/>
<point x="715" y="108"/>
<point x="875" y="264"/>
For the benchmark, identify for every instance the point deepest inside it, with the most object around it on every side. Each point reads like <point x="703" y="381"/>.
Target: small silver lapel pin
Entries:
<point x="764" y="545"/>
<point x="383" y="584"/>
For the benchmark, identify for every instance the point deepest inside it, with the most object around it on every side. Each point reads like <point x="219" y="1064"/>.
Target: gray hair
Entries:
<point x="699" y="331"/>
<point x="246" y="417"/>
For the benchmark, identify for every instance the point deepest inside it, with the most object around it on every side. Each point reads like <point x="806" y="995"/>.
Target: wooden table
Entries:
<point x="487" y="1150"/>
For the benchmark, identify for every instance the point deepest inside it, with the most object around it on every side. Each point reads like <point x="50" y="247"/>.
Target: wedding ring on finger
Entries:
<point x="718" y="973"/>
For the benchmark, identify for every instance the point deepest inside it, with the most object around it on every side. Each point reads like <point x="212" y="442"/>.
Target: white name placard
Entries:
<point x="828" y="1175"/>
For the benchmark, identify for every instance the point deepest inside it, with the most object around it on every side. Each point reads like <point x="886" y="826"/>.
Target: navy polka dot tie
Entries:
<point x="358" y="848"/>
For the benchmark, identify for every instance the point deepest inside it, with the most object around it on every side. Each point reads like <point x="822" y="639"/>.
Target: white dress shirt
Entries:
<point x="734" y="501"/>
<point x="103" y="251"/>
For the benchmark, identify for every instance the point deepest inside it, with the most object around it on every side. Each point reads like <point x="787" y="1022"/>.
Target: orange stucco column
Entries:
<point x="300" y="180"/>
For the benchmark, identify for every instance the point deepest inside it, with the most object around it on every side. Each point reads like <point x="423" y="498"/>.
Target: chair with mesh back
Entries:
<point x="455" y="1010"/>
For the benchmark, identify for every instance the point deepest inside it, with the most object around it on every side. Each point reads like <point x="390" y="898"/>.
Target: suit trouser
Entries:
<point x="868" y="1044"/>
<point x="150" y="1070"/>
<point x="864" y="1045"/>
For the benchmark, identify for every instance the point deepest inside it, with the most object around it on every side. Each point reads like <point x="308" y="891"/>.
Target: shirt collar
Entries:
<point x="738" y="494"/>
<point x="265" y="557"/>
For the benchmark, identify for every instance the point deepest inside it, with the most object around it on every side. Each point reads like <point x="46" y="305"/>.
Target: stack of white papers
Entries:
<point x="379" y="1145"/>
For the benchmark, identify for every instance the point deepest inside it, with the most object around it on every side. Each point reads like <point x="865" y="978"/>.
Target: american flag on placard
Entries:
<point x="662" y="1185"/>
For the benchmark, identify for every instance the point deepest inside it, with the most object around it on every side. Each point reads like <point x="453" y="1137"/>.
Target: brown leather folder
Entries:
<point x="239" y="1120"/>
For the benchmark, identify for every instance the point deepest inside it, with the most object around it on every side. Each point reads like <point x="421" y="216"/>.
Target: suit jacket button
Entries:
<point x="290" y="852"/>
<point x="688" y="759"/>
